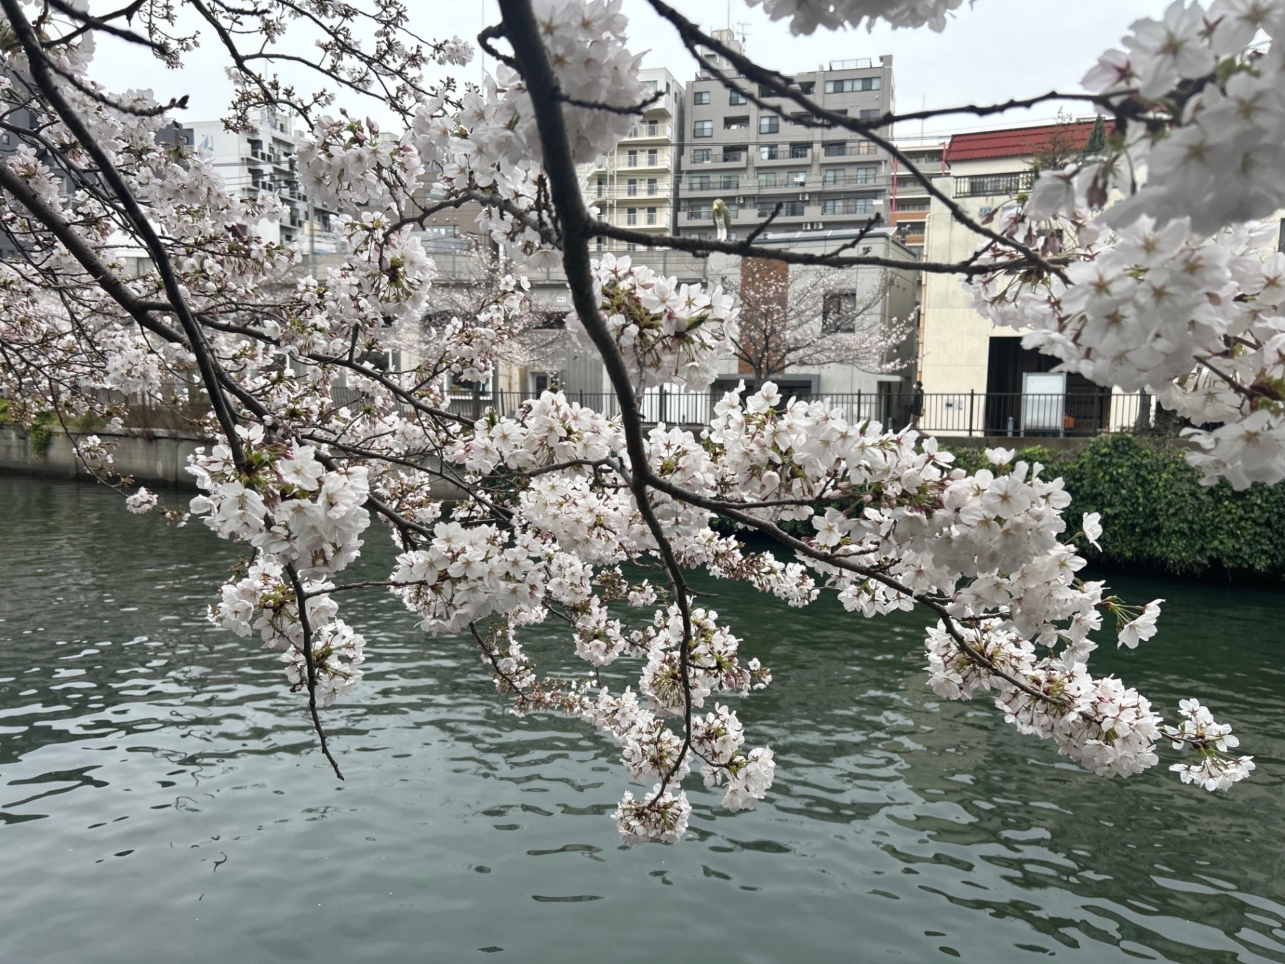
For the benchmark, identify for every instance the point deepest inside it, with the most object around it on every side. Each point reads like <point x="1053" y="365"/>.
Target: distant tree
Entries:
<point x="801" y="318"/>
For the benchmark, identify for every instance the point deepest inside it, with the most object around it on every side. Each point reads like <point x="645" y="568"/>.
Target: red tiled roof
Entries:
<point x="1019" y="141"/>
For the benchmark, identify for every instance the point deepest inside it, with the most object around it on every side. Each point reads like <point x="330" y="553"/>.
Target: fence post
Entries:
<point x="972" y="398"/>
<point x="858" y="418"/>
<point x="582" y="398"/>
<point x="663" y="413"/>
<point x="477" y="401"/>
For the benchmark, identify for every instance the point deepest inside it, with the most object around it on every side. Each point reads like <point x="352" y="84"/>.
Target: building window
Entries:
<point x="653" y="187"/>
<point x="868" y="115"/>
<point x="769" y="152"/>
<point x="767" y="179"/>
<point x="738" y="123"/>
<point x="699" y="211"/>
<point x="631" y="216"/>
<point x="631" y="159"/>
<point x="736" y="99"/>
<point x="701" y="98"/>
<point x="700" y="182"/>
<point x="702" y="155"/>
<point x="653" y="157"/>
<point x="835" y="148"/>
<point x="798" y="178"/>
<point x="807" y="88"/>
<point x="838" y="312"/>
<point x="651" y="215"/>
<point x="921" y="205"/>
<point x="729" y="182"/>
<point x="631" y="246"/>
<point x="852" y="84"/>
<point x="769" y="124"/>
<point x="800" y="150"/>
<point x="835" y="175"/>
<point x="703" y="128"/>
<point x="631" y="187"/>
<point x="866" y="174"/>
<point x="602" y="187"/>
<point x="799" y="119"/>
<point x="848" y="205"/>
<point x="734" y="153"/>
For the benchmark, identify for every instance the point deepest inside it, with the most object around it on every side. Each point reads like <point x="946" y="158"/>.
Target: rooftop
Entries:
<point x="1019" y="141"/>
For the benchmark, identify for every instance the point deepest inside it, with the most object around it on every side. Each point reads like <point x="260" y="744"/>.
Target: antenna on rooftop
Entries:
<point x="745" y="32"/>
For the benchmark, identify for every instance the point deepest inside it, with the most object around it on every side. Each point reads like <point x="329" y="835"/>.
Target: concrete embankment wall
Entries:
<point x="157" y="458"/>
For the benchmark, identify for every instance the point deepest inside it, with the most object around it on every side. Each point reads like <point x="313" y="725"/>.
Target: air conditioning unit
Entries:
<point x="803" y="197"/>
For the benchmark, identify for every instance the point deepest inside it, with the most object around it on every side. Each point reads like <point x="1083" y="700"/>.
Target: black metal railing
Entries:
<point x="1007" y="414"/>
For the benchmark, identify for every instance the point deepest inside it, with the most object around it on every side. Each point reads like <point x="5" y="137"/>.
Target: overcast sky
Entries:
<point x="999" y="49"/>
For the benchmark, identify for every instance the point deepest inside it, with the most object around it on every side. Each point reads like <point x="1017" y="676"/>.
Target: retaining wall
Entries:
<point x="158" y="457"/>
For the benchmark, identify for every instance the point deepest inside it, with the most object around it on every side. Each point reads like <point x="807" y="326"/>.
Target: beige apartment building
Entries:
<point x="978" y="379"/>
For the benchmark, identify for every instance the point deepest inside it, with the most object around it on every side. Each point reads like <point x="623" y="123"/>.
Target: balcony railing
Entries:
<point x="994" y="185"/>
<point x="645" y="159"/>
<point x="718" y="157"/>
<point x="995" y="414"/>
<point x="650" y="129"/>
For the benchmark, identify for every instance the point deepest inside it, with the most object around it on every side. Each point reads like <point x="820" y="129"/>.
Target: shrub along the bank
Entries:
<point x="1156" y="514"/>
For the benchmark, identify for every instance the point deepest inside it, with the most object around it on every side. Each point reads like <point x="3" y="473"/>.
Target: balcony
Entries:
<point x="720" y="159"/>
<point x="716" y="185"/>
<point x="705" y="218"/>
<point x="641" y="195"/>
<point x="650" y="131"/>
<point x="784" y="183"/>
<point x="830" y="152"/>
<point x="646" y="160"/>
<point x="994" y="185"/>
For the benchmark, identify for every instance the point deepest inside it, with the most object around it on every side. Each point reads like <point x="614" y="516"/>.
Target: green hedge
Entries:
<point x="1156" y="514"/>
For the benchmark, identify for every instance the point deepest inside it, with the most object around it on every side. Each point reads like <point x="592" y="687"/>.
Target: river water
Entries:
<point x="161" y="798"/>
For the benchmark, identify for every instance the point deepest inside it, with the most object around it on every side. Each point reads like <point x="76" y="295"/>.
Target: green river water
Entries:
<point x="161" y="798"/>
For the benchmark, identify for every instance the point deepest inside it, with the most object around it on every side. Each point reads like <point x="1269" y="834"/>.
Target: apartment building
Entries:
<point x="262" y="159"/>
<point x="909" y="200"/>
<point x="636" y="185"/>
<point x="754" y="158"/>
<point x="963" y="355"/>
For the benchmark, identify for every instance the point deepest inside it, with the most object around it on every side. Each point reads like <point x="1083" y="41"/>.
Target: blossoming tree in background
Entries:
<point x="811" y="317"/>
<point x="1170" y="289"/>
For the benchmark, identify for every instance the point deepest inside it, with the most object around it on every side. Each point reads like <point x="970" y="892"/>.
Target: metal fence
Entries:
<point x="1012" y="414"/>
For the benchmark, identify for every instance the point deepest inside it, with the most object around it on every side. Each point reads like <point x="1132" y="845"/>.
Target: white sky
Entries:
<point x="1000" y="49"/>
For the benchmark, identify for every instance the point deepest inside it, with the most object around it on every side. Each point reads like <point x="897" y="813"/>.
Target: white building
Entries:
<point x="636" y="185"/>
<point x="262" y="159"/>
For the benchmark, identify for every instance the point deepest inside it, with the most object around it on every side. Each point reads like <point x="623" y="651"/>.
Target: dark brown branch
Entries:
<point x="301" y="603"/>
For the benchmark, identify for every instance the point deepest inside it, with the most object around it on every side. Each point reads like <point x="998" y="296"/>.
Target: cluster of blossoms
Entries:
<point x="265" y="601"/>
<point x="1196" y="321"/>
<point x="1210" y="740"/>
<point x="806" y="15"/>
<point x="141" y="502"/>
<point x="1169" y="290"/>
<point x="666" y="332"/>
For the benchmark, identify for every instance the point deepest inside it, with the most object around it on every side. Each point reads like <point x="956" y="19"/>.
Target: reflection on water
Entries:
<point x="161" y="799"/>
